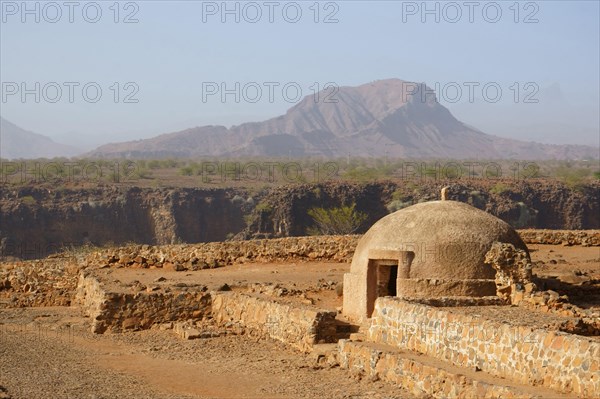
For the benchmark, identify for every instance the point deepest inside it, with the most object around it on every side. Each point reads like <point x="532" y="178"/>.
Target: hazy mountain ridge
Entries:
<point x="16" y="143"/>
<point x="387" y="117"/>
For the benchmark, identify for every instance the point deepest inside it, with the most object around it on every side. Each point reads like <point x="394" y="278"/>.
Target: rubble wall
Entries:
<point x="584" y="238"/>
<point x="312" y="248"/>
<point x="116" y="312"/>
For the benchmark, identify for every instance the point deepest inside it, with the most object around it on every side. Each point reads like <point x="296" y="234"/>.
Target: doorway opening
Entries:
<point x="386" y="280"/>
<point x="381" y="281"/>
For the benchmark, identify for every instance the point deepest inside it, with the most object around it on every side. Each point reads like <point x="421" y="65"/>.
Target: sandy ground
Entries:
<point x="42" y="360"/>
<point x="50" y="353"/>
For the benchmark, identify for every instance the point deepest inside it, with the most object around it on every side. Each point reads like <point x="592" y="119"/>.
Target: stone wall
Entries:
<point x="585" y="238"/>
<point x="324" y="248"/>
<point x="560" y="361"/>
<point x="298" y="325"/>
<point x="118" y="311"/>
<point x="48" y="282"/>
<point x="422" y="376"/>
<point x="294" y="324"/>
<point x="51" y="281"/>
<point x="218" y="254"/>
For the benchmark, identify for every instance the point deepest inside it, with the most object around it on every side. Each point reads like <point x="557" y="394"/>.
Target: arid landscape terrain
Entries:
<point x="283" y="199"/>
<point x="51" y="350"/>
<point x="133" y="290"/>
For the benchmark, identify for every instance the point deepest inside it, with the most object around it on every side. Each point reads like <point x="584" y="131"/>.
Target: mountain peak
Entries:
<point x="391" y="116"/>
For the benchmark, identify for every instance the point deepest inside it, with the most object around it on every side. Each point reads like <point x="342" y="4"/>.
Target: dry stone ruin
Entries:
<point x="439" y="300"/>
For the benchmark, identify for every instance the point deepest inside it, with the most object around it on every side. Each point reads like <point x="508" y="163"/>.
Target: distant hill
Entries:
<point x="16" y="143"/>
<point x="387" y="117"/>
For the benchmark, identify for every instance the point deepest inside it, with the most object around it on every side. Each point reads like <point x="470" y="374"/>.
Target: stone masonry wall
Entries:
<point x="115" y="312"/>
<point x="297" y="325"/>
<point x="560" y="361"/>
<point x="418" y="376"/>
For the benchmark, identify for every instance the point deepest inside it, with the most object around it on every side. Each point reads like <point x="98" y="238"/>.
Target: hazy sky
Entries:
<point x="177" y="50"/>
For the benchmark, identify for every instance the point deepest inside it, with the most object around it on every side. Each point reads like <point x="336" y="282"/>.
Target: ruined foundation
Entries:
<point x="117" y="310"/>
<point x="442" y="346"/>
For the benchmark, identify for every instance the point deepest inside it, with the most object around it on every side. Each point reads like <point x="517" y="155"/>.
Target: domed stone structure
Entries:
<point x="432" y="249"/>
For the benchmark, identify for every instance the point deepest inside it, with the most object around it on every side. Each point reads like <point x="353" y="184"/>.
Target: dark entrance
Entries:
<point x="386" y="280"/>
<point x="381" y="280"/>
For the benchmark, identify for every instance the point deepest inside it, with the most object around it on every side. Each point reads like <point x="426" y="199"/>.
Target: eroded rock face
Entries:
<point x="523" y="204"/>
<point x="513" y="270"/>
<point x="41" y="220"/>
<point x="55" y="219"/>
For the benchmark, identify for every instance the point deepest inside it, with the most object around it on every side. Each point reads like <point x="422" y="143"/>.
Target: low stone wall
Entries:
<point x="48" y="282"/>
<point x="586" y="238"/>
<point x="218" y="254"/>
<point x="560" y="361"/>
<point x="323" y="248"/>
<point x="294" y="324"/>
<point x="115" y="311"/>
<point x="418" y="376"/>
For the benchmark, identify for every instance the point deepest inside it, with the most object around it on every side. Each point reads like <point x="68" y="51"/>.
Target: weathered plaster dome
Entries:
<point x="449" y="238"/>
<point x="431" y="249"/>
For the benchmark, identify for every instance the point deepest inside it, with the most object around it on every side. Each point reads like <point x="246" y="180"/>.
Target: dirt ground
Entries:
<point x="42" y="360"/>
<point x="316" y="280"/>
<point x="50" y="353"/>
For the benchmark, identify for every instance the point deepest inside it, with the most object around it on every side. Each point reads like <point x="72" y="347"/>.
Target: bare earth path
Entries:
<point x="38" y="362"/>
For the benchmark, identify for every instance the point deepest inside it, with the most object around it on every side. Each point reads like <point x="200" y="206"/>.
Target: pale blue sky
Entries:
<point x="170" y="52"/>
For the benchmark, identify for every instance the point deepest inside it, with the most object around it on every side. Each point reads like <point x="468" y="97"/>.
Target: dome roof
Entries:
<point x="449" y="240"/>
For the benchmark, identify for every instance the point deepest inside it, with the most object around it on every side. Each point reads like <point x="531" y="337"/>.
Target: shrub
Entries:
<point x="168" y="163"/>
<point x="499" y="188"/>
<point x="154" y="164"/>
<point x="399" y="201"/>
<point x="396" y="205"/>
<point x="398" y="195"/>
<point x="28" y="200"/>
<point x="361" y="174"/>
<point x="113" y="177"/>
<point x="335" y="221"/>
<point x="144" y="173"/>
<point x="573" y="177"/>
<point x="527" y="217"/>
<point x="317" y="192"/>
<point x="263" y="207"/>
<point x="237" y="200"/>
<point x="186" y="171"/>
